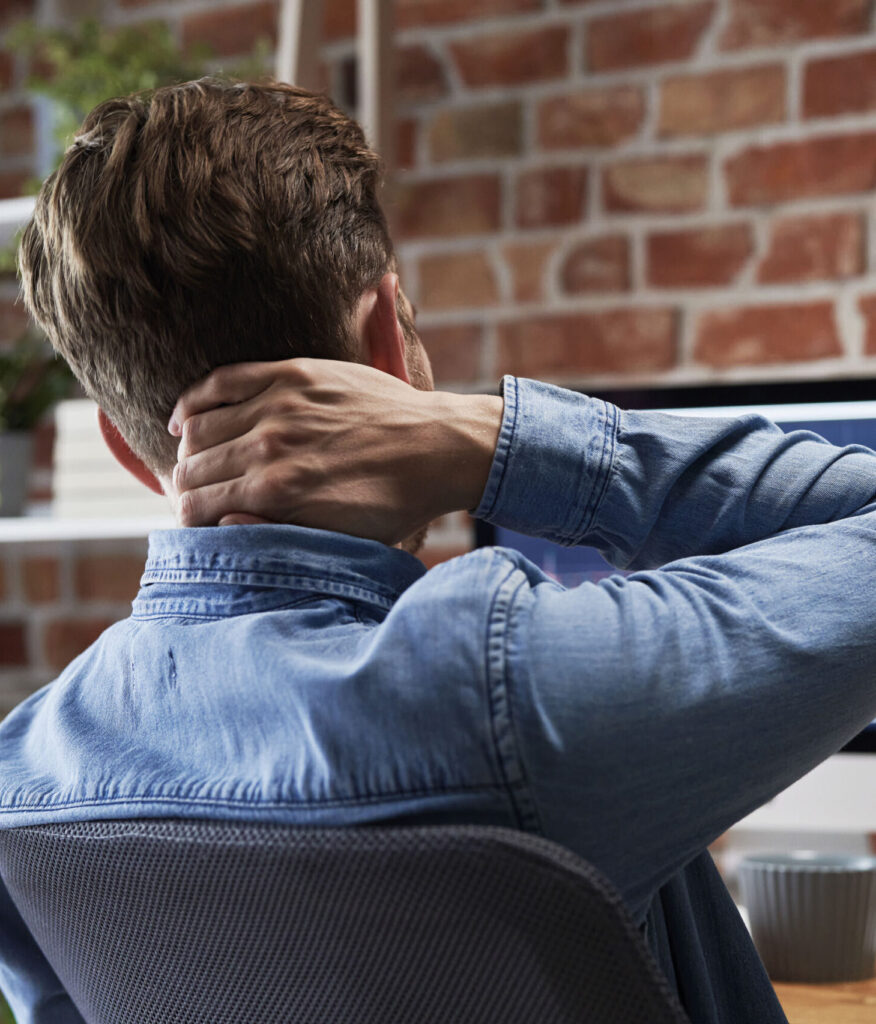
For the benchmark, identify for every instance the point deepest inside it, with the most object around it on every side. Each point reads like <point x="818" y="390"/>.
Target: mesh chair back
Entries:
<point x="159" y="922"/>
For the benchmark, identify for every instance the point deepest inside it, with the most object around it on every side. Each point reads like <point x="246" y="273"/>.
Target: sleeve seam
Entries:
<point x="605" y="465"/>
<point x="518" y="789"/>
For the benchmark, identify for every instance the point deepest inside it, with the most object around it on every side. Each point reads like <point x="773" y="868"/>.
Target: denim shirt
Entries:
<point x="275" y="673"/>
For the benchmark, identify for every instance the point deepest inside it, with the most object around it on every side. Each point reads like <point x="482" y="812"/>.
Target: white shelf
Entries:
<point x="30" y="529"/>
<point x="14" y="214"/>
<point x="837" y="796"/>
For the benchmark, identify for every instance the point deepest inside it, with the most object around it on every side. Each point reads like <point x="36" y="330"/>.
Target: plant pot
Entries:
<point x="16" y="448"/>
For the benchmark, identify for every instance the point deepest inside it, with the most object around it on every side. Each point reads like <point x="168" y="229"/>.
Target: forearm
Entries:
<point x="647" y="488"/>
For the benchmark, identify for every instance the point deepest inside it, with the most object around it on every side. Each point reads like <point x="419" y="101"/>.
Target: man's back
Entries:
<point x="283" y="674"/>
<point x="304" y="677"/>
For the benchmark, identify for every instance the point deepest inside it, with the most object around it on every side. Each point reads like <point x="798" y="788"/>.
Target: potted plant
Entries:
<point x="78" y="66"/>
<point x="32" y="380"/>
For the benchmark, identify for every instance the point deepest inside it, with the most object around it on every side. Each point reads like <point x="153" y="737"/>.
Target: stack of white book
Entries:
<point x="88" y="482"/>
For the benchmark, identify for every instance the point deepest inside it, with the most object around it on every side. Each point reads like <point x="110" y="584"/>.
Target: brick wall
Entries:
<point x="597" y="190"/>
<point x="592" y="191"/>
<point x="56" y="597"/>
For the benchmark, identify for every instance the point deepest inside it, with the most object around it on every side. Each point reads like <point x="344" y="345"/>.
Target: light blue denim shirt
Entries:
<point x="274" y="673"/>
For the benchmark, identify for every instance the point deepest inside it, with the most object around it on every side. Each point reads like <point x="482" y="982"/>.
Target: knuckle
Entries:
<point x="217" y="382"/>
<point x="268" y="445"/>
<point x="269" y="485"/>
<point x="180" y="474"/>
<point x="187" y="508"/>
<point x="191" y="431"/>
<point x="301" y="370"/>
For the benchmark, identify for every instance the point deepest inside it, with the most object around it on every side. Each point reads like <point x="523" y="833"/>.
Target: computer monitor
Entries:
<point x="842" y="411"/>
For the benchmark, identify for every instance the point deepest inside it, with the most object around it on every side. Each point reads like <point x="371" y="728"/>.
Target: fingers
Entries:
<point x="205" y="506"/>
<point x="204" y="430"/>
<point x="226" y="461"/>
<point x="226" y="385"/>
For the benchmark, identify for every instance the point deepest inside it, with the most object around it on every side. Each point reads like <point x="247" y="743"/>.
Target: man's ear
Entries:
<point x="119" y="447"/>
<point x="380" y="331"/>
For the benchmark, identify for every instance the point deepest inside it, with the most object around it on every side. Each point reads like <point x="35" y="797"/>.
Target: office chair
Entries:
<point x="196" y="922"/>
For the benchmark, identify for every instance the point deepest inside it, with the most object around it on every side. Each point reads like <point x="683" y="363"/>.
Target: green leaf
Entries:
<point x="32" y="380"/>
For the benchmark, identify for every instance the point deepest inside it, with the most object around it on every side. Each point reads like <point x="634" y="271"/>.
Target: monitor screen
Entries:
<point x="843" y="412"/>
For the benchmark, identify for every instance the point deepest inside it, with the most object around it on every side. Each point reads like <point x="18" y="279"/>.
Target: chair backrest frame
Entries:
<point x="190" y="922"/>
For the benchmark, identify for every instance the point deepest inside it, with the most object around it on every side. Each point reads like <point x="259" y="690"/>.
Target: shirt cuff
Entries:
<point x="552" y="461"/>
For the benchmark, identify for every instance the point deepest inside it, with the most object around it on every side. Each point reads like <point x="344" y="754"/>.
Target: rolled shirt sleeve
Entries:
<point x="647" y="488"/>
<point x="653" y="711"/>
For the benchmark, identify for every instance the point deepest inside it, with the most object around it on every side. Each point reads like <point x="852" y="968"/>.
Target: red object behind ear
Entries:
<point x="123" y="454"/>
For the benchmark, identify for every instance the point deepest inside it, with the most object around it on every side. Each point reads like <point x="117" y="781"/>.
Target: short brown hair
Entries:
<point x="208" y="223"/>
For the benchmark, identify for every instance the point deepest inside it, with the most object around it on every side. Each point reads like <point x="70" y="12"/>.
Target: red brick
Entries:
<point x="722" y="101"/>
<point x="406" y="143"/>
<point x="420" y="76"/>
<point x="772" y="22"/>
<point x="840" y="85"/>
<point x="338" y="19"/>
<point x="828" y="165"/>
<point x="598" y="265"/>
<point x="492" y="130"/>
<point x="705" y="256"/>
<point x="669" y="184"/>
<point x="513" y="58"/>
<point x="108" y="577"/>
<point x="454" y="351"/>
<point x="16" y="132"/>
<point x="457" y="280"/>
<point x="13" y="644"/>
<point x="446" y="207"/>
<point x="614" y="341"/>
<point x="756" y="335"/>
<point x="670" y="32"/>
<point x="414" y="13"/>
<point x="12" y="183"/>
<point x="12" y="10"/>
<point x="527" y="262"/>
<point x="65" y="639"/>
<point x="814" y="248"/>
<point x="40" y="579"/>
<point x="551" y="197"/>
<point x="7" y="70"/>
<point x="593" y="117"/>
<point x="44" y="444"/>
<point x="13" y="319"/>
<point x="40" y="494"/>
<point x="232" y="30"/>
<point x="867" y="305"/>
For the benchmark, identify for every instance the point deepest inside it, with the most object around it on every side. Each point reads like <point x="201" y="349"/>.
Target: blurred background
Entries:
<point x="597" y="193"/>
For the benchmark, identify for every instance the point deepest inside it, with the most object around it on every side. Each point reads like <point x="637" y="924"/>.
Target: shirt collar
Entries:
<point x="278" y="556"/>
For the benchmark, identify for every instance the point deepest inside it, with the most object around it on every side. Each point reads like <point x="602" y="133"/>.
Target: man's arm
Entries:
<point x="345" y="447"/>
<point x="648" y="488"/>
<point x="30" y="986"/>
<point x="653" y="712"/>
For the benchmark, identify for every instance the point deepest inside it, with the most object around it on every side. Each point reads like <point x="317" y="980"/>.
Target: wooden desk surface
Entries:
<point x="850" y="1003"/>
